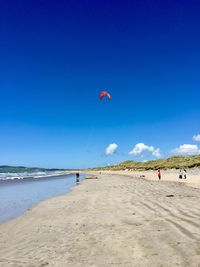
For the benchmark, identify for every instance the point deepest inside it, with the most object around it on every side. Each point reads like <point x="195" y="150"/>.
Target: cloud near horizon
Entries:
<point x="196" y="138"/>
<point x="111" y="149"/>
<point x="141" y="147"/>
<point x="186" y="150"/>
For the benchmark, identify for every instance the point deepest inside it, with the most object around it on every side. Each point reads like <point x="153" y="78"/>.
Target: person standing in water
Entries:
<point x="77" y="177"/>
<point x="159" y="174"/>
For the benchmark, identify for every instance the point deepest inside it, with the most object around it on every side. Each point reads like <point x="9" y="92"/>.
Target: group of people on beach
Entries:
<point x="182" y="174"/>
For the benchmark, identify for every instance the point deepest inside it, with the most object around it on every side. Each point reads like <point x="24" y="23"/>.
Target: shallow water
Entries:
<point x="16" y="196"/>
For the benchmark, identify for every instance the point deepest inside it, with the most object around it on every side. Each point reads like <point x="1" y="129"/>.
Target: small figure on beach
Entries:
<point x="77" y="177"/>
<point x="180" y="174"/>
<point x="184" y="173"/>
<point x="159" y="174"/>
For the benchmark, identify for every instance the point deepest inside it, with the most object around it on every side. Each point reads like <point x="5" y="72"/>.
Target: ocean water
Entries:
<point x="20" y="194"/>
<point x="24" y="175"/>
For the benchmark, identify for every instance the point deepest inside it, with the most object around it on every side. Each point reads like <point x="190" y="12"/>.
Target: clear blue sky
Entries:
<point x="56" y="57"/>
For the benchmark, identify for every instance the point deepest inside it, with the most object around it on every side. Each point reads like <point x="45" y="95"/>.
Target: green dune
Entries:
<point x="175" y="162"/>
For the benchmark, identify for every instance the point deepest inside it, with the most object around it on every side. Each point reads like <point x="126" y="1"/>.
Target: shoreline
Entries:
<point x="34" y="178"/>
<point x="149" y="175"/>
<point x="116" y="220"/>
<point x="18" y="196"/>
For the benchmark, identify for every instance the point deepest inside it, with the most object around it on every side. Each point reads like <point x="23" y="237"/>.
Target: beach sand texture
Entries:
<point x="116" y="220"/>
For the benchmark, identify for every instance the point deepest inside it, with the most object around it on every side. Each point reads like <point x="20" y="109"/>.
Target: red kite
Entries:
<point x="103" y="94"/>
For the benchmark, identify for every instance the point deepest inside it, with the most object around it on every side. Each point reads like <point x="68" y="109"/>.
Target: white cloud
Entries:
<point x="196" y="138"/>
<point x="156" y="152"/>
<point x="141" y="147"/>
<point x="186" y="150"/>
<point x="111" y="149"/>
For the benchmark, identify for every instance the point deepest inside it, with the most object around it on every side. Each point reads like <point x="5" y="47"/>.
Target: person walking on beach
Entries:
<point x="184" y="173"/>
<point x="159" y="174"/>
<point x="77" y="177"/>
<point x="181" y="174"/>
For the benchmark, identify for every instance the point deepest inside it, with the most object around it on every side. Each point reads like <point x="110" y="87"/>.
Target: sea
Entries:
<point x="21" y="191"/>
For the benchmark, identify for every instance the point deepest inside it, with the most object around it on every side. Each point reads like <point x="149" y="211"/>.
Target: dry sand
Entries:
<point x="116" y="220"/>
<point x="193" y="176"/>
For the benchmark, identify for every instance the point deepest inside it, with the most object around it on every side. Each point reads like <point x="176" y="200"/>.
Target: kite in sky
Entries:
<point x="104" y="93"/>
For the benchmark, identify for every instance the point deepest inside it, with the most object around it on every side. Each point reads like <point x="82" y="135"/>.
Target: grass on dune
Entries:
<point x="176" y="162"/>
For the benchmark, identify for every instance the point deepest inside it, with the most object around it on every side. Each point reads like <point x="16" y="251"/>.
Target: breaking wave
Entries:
<point x="25" y="175"/>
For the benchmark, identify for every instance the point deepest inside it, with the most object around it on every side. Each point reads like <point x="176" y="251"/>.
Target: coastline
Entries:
<point x="116" y="220"/>
<point x="19" y="195"/>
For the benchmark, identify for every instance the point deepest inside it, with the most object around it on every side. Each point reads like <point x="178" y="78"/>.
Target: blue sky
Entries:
<point x="57" y="56"/>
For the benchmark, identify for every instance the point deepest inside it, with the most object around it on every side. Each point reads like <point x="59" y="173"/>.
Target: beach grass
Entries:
<point x="176" y="162"/>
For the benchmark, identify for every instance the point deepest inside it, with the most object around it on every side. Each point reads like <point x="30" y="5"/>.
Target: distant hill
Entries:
<point x="20" y="169"/>
<point x="176" y="162"/>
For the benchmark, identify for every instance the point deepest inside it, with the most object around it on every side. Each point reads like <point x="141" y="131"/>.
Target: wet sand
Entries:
<point x="116" y="220"/>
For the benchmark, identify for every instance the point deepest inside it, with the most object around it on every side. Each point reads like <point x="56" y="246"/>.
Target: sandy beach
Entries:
<point x="119" y="219"/>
